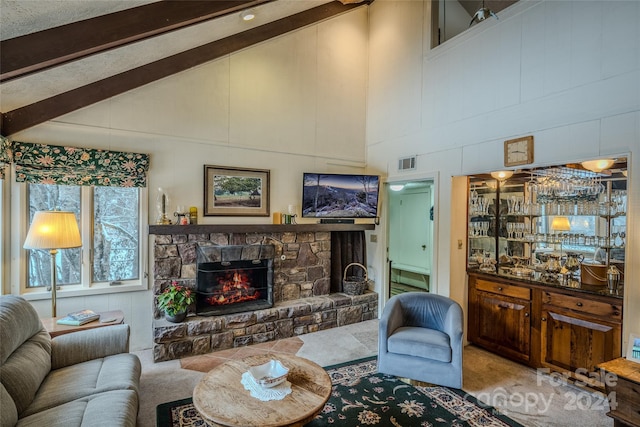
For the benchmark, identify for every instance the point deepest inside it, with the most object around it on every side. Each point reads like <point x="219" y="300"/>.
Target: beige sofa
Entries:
<point x="85" y="378"/>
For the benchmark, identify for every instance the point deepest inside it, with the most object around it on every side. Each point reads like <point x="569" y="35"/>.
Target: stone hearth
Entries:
<point x="301" y="292"/>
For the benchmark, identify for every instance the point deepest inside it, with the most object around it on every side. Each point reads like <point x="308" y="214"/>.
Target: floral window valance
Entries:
<point x="5" y="155"/>
<point x="53" y="164"/>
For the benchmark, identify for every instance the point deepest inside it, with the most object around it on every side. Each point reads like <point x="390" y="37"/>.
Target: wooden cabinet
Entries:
<point x="578" y="333"/>
<point x="500" y="318"/>
<point x="563" y="330"/>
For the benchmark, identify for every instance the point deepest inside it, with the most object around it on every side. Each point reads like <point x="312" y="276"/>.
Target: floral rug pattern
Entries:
<point x="362" y="397"/>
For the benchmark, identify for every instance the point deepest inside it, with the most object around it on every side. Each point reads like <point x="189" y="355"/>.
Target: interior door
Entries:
<point x="411" y="234"/>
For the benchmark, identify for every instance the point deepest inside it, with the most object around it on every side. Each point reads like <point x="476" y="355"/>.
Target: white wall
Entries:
<point x="567" y="72"/>
<point x="290" y="105"/>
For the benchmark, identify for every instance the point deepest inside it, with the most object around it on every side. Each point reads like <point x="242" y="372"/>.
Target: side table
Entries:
<point x="54" y="329"/>
<point x="625" y="388"/>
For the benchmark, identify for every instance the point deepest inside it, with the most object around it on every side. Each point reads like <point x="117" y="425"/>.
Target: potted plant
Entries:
<point x="174" y="301"/>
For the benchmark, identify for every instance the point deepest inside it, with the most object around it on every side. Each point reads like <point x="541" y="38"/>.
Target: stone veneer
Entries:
<point x="301" y="292"/>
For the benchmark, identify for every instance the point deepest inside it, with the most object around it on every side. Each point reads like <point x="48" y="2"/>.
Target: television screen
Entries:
<point x="340" y="195"/>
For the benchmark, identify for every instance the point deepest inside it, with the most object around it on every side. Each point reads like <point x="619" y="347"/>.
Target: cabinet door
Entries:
<point x="573" y="342"/>
<point x="504" y="325"/>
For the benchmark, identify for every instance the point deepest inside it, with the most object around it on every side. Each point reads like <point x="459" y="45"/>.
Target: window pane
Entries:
<point x="43" y="197"/>
<point x="115" y="234"/>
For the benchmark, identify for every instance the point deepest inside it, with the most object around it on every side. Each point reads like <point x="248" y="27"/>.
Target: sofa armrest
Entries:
<point x="81" y="346"/>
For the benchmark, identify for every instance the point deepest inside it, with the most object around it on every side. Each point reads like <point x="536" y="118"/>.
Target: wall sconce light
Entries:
<point x="248" y="15"/>
<point x="624" y="173"/>
<point x="501" y="175"/>
<point x="396" y="187"/>
<point x="597" y="166"/>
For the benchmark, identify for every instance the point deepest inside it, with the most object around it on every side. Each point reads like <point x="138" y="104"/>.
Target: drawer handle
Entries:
<point x="500" y="288"/>
<point x="526" y="315"/>
<point x="544" y="319"/>
<point x="579" y="304"/>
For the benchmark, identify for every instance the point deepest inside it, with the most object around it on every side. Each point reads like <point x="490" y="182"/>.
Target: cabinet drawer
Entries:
<point x="503" y="289"/>
<point x="596" y="308"/>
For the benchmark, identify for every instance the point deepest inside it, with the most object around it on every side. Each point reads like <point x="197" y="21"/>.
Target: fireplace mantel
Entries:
<point x="255" y="228"/>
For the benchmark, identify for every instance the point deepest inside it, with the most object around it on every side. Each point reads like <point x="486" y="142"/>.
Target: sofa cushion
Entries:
<point x="117" y="372"/>
<point x="108" y="409"/>
<point x="19" y="322"/>
<point x="420" y="342"/>
<point x="8" y="412"/>
<point x="25" y="369"/>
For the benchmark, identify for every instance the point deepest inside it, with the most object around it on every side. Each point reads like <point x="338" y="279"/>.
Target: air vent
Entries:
<point x="407" y="163"/>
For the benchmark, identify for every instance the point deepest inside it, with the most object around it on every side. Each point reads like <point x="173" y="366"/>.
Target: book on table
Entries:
<point x="78" y="318"/>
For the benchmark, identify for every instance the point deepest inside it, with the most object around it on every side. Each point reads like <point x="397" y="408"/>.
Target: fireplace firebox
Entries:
<point x="227" y="282"/>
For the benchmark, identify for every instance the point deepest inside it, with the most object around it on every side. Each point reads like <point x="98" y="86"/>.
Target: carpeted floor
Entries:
<point x="363" y="397"/>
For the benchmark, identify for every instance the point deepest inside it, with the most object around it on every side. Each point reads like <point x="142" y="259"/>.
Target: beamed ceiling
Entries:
<point x="60" y="56"/>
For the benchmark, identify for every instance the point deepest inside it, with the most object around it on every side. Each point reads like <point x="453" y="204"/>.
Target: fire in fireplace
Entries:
<point x="231" y="286"/>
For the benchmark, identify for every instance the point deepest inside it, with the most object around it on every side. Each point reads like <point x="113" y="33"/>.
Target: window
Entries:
<point x="110" y="221"/>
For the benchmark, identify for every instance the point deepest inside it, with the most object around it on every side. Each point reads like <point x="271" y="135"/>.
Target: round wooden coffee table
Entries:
<point x="223" y="401"/>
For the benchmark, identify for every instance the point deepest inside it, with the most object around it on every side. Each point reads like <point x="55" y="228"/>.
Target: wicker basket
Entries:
<point x="353" y="285"/>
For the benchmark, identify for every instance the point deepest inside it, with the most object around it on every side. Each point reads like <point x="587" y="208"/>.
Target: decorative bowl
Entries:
<point x="269" y="374"/>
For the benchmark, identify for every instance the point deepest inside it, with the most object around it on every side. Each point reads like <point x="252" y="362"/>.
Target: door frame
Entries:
<point x="404" y="179"/>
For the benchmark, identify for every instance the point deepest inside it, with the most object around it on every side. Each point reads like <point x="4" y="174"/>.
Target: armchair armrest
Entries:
<point x="454" y="328"/>
<point x="391" y="319"/>
<point x="81" y="346"/>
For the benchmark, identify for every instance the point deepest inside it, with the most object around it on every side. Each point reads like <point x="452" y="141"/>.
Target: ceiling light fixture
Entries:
<point x="598" y="165"/>
<point x="248" y="15"/>
<point x="482" y="14"/>
<point x="396" y="187"/>
<point x="501" y="175"/>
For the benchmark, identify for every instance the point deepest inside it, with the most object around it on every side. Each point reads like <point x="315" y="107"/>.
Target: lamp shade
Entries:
<point x="560" y="223"/>
<point x="53" y="230"/>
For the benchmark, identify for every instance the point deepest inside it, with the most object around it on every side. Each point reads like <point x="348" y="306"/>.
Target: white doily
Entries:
<point x="278" y="392"/>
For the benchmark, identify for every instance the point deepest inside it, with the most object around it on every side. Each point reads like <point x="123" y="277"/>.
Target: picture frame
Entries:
<point x="230" y="191"/>
<point x="633" y="348"/>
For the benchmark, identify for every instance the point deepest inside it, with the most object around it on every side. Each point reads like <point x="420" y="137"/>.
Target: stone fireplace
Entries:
<point x="299" y="257"/>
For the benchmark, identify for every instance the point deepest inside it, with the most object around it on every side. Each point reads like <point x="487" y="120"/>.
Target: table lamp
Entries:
<point x="53" y="230"/>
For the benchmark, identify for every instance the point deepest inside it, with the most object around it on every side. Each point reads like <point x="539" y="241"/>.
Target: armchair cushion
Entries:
<point x="420" y="342"/>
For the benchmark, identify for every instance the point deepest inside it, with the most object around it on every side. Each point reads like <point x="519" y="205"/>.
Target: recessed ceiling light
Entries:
<point x="396" y="187"/>
<point x="248" y="15"/>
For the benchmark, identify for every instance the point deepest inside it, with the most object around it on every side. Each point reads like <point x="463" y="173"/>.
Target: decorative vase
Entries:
<point x="177" y="318"/>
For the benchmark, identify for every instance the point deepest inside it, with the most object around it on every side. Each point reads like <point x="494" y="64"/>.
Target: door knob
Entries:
<point x="424" y="247"/>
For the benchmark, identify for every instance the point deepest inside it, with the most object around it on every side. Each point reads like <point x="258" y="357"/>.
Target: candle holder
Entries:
<point x="162" y="201"/>
<point x="183" y="216"/>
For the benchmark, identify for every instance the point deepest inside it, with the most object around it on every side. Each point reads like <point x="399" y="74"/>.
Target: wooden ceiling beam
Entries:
<point x="39" y="112"/>
<point x="44" y="49"/>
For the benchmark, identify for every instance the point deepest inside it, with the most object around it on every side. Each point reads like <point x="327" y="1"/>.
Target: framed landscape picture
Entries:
<point x="235" y="192"/>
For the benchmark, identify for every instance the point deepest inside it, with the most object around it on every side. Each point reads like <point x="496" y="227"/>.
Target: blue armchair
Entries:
<point x="420" y="337"/>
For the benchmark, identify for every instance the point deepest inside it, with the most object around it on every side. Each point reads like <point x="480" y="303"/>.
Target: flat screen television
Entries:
<point x="327" y="195"/>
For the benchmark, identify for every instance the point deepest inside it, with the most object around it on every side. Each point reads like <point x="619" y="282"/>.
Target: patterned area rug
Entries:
<point x="363" y="397"/>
